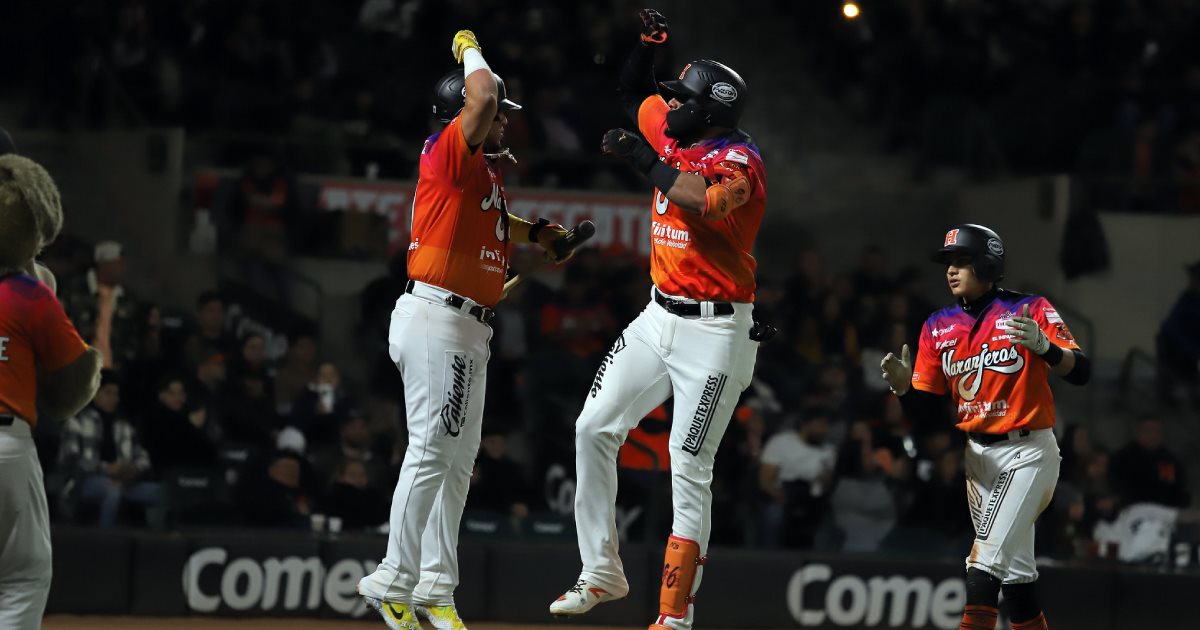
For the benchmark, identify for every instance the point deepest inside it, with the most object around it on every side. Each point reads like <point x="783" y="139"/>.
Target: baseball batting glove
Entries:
<point x="898" y="371"/>
<point x="1027" y="333"/>
<point x="547" y="237"/>
<point x="629" y="146"/>
<point x="654" y="27"/>
<point x="463" y="41"/>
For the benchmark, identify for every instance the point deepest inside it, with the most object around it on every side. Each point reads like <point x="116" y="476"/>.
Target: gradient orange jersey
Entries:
<point x="459" y="219"/>
<point x="997" y="385"/>
<point x="35" y="336"/>
<point x="691" y="256"/>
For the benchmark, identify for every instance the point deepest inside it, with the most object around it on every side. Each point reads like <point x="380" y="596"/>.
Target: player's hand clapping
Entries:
<point x="1027" y="333"/>
<point x="654" y="27"/>
<point x="463" y="41"/>
<point x="897" y="371"/>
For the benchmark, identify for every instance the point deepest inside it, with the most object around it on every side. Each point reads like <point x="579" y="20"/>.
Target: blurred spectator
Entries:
<point x="275" y="495"/>
<point x="939" y="504"/>
<point x="796" y="474"/>
<point x="248" y="410"/>
<point x="103" y="456"/>
<point x="207" y="391"/>
<point x="297" y="369"/>
<point x="103" y="309"/>
<point x="173" y="436"/>
<point x="354" y="443"/>
<point x="320" y="409"/>
<point x="1144" y="471"/>
<point x="209" y="336"/>
<point x="354" y="498"/>
<point x="1179" y="342"/>
<point x="1076" y="448"/>
<point x="864" y="509"/>
<point x="498" y="484"/>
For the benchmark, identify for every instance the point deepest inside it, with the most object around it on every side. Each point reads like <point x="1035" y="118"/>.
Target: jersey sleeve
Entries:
<point x="927" y="370"/>
<point x="1052" y="324"/>
<point x="652" y="121"/>
<point x="449" y="153"/>
<point x="733" y="175"/>
<point x="56" y="343"/>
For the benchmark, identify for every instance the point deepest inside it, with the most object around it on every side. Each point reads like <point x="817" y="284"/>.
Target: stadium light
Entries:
<point x="850" y="10"/>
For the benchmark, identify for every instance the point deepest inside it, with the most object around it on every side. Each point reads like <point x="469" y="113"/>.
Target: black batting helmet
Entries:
<point x="721" y="90"/>
<point x="450" y="95"/>
<point x="980" y="243"/>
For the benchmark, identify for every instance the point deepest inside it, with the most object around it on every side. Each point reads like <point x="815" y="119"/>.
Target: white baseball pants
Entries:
<point x="24" y="531"/>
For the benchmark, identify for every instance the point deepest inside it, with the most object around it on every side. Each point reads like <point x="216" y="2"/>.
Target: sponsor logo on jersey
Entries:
<point x="951" y="238"/>
<point x="459" y="370"/>
<point x="496" y="256"/>
<point x="735" y="155"/>
<point x="668" y="236"/>
<point x="705" y="409"/>
<point x="1052" y="316"/>
<point x="938" y="332"/>
<point x="970" y="370"/>
<point x="948" y="343"/>
<point x="412" y="247"/>
<point x="1003" y="337"/>
<point x="598" y="383"/>
<point x="983" y="409"/>
<point x="494" y="200"/>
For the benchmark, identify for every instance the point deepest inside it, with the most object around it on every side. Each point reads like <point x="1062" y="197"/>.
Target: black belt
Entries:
<point x="7" y="421"/>
<point x="988" y="439"/>
<point x="689" y="309"/>
<point x="482" y="313"/>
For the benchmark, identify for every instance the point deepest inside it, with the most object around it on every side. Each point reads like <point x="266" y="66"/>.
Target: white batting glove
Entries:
<point x="1027" y="333"/>
<point x="898" y="371"/>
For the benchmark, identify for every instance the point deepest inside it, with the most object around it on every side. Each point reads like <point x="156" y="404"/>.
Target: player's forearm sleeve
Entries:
<point x="922" y="406"/>
<point x="1082" y="372"/>
<point x="637" y="79"/>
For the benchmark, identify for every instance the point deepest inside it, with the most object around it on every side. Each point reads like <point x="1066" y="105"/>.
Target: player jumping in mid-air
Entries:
<point x="44" y="365"/>
<point x="693" y="340"/>
<point x="439" y="335"/>
<point x="991" y="352"/>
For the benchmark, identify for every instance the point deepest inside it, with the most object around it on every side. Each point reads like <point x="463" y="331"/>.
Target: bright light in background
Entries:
<point x="850" y="10"/>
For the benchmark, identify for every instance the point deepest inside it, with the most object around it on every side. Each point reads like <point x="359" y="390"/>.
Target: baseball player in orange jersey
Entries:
<point x="991" y="352"/>
<point x="457" y="260"/>
<point x="693" y="340"/>
<point x="43" y="365"/>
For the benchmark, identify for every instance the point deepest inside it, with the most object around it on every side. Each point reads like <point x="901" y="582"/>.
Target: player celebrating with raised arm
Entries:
<point x="693" y="340"/>
<point x="439" y="336"/>
<point x="991" y="352"/>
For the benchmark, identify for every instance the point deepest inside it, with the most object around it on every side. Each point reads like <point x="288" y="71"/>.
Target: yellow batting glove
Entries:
<point x="464" y="40"/>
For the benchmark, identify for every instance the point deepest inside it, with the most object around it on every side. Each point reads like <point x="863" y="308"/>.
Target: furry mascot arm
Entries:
<point x="63" y="392"/>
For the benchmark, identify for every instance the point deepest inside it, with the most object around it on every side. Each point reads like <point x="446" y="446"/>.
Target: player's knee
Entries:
<point x="1022" y="601"/>
<point x="982" y="588"/>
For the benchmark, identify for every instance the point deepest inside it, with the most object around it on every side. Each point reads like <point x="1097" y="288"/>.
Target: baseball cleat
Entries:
<point x="440" y="617"/>
<point x="396" y="615"/>
<point x="580" y="599"/>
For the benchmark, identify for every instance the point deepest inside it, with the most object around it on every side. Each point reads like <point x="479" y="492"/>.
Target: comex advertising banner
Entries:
<point x="292" y="574"/>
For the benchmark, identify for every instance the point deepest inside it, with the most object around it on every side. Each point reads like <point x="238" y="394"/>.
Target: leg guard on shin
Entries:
<point x="680" y="565"/>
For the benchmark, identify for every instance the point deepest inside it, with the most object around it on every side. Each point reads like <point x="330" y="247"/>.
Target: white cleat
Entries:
<point x="580" y="599"/>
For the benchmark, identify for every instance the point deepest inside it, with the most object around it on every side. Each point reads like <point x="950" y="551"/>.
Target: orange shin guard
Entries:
<point x="680" y="565"/>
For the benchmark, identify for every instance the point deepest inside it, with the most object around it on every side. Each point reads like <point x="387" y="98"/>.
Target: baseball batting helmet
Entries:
<point x="450" y="96"/>
<point x="980" y="243"/>
<point x="721" y="91"/>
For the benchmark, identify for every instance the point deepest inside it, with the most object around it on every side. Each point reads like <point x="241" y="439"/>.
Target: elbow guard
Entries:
<point x="723" y="197"/>
<point x="1082" y="372"/>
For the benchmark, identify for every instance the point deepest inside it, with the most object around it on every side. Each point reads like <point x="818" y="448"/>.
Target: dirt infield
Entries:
<point x="67" y="622"/>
